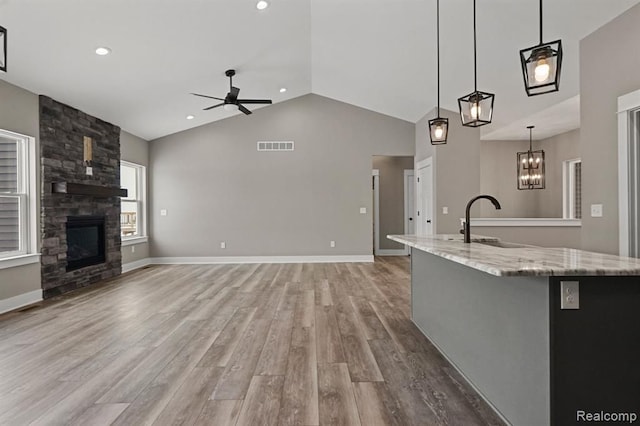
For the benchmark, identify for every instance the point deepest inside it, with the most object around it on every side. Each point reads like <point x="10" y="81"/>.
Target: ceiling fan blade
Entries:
<point x="234" y="92"/>
<point x="255" y="101"/>
<point x="243" y="109"/>
<point x="214" y="106"/>
<point x="206" y="96"/>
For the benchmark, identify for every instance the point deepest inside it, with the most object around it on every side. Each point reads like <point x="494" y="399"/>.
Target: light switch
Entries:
<point x="332" y="244"/>
<point x="569" y="295"/>
<point x="596" y="210"/>
<point x="163" y="212"/>
<point x="363" y="210"/>
<point x="445" y="210"/>
<point x="223" y="245"/>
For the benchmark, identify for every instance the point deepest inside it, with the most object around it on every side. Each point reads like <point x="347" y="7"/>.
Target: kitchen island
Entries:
<point x="505" y="315"/>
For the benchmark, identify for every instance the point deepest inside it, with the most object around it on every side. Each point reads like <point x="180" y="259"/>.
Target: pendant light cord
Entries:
<point x="540" y="21"/>
<point x="475" y="54"/>
<point x="438" y="49"/>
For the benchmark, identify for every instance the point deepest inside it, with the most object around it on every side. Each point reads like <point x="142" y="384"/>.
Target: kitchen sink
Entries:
<point x="502" y="244"/>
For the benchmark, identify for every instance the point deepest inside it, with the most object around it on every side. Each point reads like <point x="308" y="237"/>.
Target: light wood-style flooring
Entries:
<point x="267" y="344"/>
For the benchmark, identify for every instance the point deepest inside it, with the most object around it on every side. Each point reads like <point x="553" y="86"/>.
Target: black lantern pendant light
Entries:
<point x="541" y="65"/>
<point x="3" y="49"/>
<point x="438" y="127"/>
<point x="476" y="109"/>
<point x="531" y="167"/>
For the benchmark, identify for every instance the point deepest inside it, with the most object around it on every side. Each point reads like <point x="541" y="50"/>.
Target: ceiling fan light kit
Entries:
<point x="3" y="49"/>
<point x="438" y="127"/>
<point x="476" y="108"/>
<point x="541" y="65"/>
<point x="231" y="101"/>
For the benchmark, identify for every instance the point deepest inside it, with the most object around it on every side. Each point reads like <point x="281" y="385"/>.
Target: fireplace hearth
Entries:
<point x="85" y="241"/>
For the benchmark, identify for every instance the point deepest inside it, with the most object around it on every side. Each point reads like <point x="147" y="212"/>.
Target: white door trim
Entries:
<point x="626" y="103"/>
<point x="376" y="211"/>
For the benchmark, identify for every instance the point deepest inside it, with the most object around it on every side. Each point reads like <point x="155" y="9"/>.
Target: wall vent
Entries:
<point x="275" y="146"/>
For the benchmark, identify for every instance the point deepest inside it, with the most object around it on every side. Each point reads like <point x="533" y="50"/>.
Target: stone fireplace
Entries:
<point x="80" y="212"/>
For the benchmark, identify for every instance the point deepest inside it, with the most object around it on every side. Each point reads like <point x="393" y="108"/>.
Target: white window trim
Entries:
<point x="29" y="219"/>
<point x="568" y="187"/>
<point x="141" y="179"/>
<point x="130" y="241"/>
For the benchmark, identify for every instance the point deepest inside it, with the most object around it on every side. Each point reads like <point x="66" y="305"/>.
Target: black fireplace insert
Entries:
<point x="85" y="241"/>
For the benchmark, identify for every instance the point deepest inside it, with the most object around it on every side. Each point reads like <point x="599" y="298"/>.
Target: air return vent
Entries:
<point x="275" y="145"/>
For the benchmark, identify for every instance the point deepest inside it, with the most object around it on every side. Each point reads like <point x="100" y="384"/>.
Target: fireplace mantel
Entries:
<point x="84" y="189"/>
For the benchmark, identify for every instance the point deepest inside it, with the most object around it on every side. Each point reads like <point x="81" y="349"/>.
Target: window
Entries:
<point x="572" y="189"/>
<point x="15" y="189"/>
<point x="132" y="208"/>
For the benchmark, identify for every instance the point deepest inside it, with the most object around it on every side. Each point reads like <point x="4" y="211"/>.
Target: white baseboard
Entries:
<point x="391" y="252"/>
<point x="20" y="300"/>
<point x="259" y="259"/>
<point x="131" y="266"/>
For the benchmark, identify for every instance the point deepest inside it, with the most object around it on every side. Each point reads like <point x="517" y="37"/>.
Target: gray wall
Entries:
<point x="135" y="150"/>
<point x="456" y="167"/>
<point x="498" y="176"/>
<point x="391" y="180"/>
<point x="609" y="64"/>
<point x="19" y="113"/>
<point x="216" y="187"/>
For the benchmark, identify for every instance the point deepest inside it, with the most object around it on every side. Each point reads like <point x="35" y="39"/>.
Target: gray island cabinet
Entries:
<point x="548" y="336"/>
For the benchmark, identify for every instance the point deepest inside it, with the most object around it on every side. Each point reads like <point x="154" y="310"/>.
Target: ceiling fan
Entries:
<point x="231" y="101"/>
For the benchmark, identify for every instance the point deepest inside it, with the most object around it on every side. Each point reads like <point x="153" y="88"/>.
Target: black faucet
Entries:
<point x="466" y="228"/>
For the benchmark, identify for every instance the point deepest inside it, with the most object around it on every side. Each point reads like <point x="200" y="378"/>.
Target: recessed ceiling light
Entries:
<point x="262" y="4"/>
<point x="190" y="117"/>
<point x="283" y="89"/>
<point x="103" y="51"/>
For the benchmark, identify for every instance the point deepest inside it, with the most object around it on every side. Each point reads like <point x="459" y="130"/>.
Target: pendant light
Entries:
<point x="531" y="167"/>
<point x="439" y="126"/>
<point x="476" y="109"/>
<point x="3" y="49"/>
<point x="541" y="65"/>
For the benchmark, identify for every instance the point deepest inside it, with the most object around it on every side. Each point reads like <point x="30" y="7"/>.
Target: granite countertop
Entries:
<point x="519" y="259"/>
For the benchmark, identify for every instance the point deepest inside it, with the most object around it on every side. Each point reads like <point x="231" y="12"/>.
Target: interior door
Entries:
<point x="409" y="205"/>
<point x="424" y="216"/>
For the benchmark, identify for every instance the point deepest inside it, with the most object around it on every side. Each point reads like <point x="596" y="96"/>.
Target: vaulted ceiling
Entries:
<point x="375" y="54"/>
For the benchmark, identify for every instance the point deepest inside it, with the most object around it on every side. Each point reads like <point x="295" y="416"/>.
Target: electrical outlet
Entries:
<point x="445" y="210"/>
<point x="363" y="210"/>
<point x="569" y="295"/>
<point x="332" y="243"/>
<point x="133" y="249"/>
<point x="596" y="210"/>
<point x="163" y="212"/>
<point x="89" y="171"/>
<point x="223" y="245"/>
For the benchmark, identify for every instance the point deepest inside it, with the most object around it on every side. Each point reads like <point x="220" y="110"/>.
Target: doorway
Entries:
<point x="409" y="204"/>
<point x="424" y="197"/>
<point x="392" y="202"/>
<point x="629" y="174"/>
